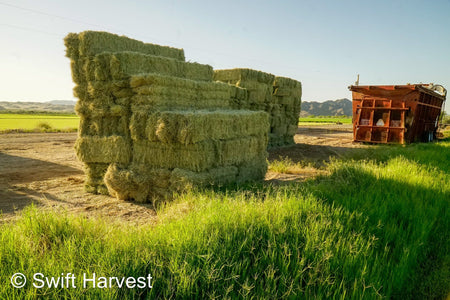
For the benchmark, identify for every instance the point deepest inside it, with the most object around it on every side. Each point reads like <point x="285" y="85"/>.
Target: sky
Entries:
<point x="323" y="44"/>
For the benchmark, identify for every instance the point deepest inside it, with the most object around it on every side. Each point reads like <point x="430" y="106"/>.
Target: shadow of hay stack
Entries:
<point x="26" y="170"/>
<point x="152" y="124"/>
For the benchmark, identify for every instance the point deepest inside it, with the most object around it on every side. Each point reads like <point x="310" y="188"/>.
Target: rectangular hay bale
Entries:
<point x="182" y="179"/>
<point x="95" y="173"/>
<point x="93" y="149"/>
<point x="190" y="127"/>
<point x="234" y="75"/>
<point x="155" y="103"/>
<point x="196" y="157"/>
<point x="122" y="65"/>
<point x="254" y="169"/>
<point x="90" y="43"/>
<point x="102" y="125"/>
<point x="200" y="156"/>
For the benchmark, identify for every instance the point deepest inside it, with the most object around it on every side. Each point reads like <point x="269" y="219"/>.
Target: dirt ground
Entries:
<point x="314" y="145"/>
<point x="42" y="168"/>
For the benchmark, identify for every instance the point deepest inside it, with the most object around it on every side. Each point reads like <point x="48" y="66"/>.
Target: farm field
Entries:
<point x="68" y="122"/>
<point x="38" y="122"/>
<point x="320" y="120"/>
<point x="333" y="219"/>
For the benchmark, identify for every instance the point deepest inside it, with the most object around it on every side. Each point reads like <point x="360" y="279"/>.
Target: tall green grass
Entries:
<point x="376" y="227"/>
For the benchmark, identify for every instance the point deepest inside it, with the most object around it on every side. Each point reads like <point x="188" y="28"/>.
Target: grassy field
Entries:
<point x="375" y="226"/>
<point x="38" y="122"/>
<point x="319" y="120"/>
<point x="68" y="122"/>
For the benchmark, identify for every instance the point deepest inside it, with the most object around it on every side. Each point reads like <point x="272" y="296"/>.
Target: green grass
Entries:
<point x="285" y="165"/>
<point x="38" y="122"/>
<point x="282" y="165"/>
<point x="376" y="227"/>
<point x="319" y="120"/>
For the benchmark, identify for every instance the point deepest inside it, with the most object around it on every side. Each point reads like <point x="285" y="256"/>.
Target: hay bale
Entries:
<point x="160" y="92"/>
<point x="282" y="91"/>
<point x="286" y="82"/>
<point x="200" y="156"/>
<point x="104" y="125"/>
<point x="78" y="72"/>
<point x="161" y="103"/>
<point x="98" y="110"/>
<point x="115" y="89"/>
<point x="166" y="128"/>
<point x="160" y="85"/>
<point x="239" y="150"/>
<point x="279" y="96"/>
<point x="143" y="184"/>
<point x="90" y="43"/>
<point x="287" y="93"/>
<point x="94" y="149"/>
<point x="182" y="180"/>
<point x="85" y="127"/>
<point x="190" y="127"/>
<point x="253" y="170"/>
<point x="121" y="184"/>
<point x="196" y="157"/>
<point x="240" y="74"/>
<point x="257" y="92"/>
<point x="94" y="178"/>
<point x="259" y="85"/>
<point x="239" y="97"/>
<point x="122" y="65"/>
<point x="152" y="124"/>
<point x="138" y="183"/>
<point x="138" y="123"/>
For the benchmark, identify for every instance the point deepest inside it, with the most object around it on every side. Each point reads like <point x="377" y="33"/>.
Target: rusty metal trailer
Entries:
<point x="396" y="113"/>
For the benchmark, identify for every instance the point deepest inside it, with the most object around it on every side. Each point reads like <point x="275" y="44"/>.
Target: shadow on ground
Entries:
<point x="15" y="171"/>
<point x="317" y="155"/>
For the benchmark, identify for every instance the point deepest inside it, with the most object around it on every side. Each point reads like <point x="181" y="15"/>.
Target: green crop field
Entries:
<point x="38" y="122"/>
<point x="319" y="120"/>
<point x="373" y="225"/>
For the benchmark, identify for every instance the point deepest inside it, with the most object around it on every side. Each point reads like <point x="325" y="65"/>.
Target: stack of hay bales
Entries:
<point x="279" y="96"/>
<point x="284" y="110"/>
<point x="152" y="124"/>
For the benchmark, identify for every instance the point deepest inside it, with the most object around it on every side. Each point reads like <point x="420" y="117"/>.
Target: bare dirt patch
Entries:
<point x="314" y="147"/>
<point x="42" y="168"/>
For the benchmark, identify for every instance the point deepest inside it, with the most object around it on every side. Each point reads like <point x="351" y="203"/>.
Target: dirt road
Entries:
<point x="42" y="168"/>
<point x="317" y="143"/>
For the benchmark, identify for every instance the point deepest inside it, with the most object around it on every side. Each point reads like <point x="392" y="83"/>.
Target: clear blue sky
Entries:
<point x="323" y="44"/>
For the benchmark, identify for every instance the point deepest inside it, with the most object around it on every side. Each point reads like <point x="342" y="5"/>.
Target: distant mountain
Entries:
<point x="62" y="102"/>
<point x="340" y="107"/>
<point x="56" y="106"/>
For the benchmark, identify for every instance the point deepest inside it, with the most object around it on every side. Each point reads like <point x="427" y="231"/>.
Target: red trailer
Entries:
<point x="396" y="113"/>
